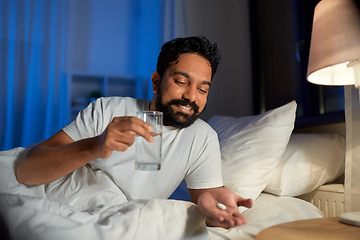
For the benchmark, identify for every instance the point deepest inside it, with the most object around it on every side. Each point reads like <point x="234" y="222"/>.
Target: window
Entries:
<point x="281" y="35"/>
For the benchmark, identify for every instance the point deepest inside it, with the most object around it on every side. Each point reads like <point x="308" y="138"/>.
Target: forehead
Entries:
<point x="192" y="64"/>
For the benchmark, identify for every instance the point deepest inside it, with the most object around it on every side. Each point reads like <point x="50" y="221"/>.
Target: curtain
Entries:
<point x="33" y="89"/>
<point x="352" y="161"/>
<point x="174" y="21"/>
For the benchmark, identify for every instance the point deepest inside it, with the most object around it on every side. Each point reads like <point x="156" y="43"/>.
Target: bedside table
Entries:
<point x="311" y="229"/>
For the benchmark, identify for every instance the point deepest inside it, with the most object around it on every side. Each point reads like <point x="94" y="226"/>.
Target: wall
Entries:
<point x="227" y="23"/>
<point x="278" y="42"/>
<point x="100" y="39"/>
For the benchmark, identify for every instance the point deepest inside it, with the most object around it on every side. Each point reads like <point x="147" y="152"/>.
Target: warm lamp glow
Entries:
<point x="335" y="43"/>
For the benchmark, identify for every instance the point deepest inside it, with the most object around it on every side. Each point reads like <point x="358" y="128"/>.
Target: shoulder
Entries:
<point x="124" y="101"/>
<point x="202" y="128"/>
<point x="125" y="106"/>
<point x="201" y="124"/>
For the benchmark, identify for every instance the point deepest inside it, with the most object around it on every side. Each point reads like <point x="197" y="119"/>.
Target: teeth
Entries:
<point x="186" y="108"/>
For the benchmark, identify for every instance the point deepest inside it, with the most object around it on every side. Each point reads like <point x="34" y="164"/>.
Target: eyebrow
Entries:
<point x="188" y="76"/>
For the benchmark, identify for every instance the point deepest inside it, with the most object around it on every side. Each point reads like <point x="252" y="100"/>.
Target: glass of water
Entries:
<point x="148" y="154"/>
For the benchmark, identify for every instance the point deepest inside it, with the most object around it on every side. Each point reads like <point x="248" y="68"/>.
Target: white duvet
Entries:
<point x="75" y="208"/>
<point x="36" y="218"/>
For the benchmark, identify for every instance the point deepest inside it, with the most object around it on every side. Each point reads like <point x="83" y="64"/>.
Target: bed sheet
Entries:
<point x="75" y="208"/>
<point x="35" y="218"/>
<point x="89" y="205"/>
<point x="268" y="210"/>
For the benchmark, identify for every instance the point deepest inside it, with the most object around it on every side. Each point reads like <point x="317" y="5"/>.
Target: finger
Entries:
<point x="246" y="202"/>
<point x="211" y="223"/>
<point x="235" y="220"/>
<point x="114" y="133"/>
<point x="127" y="137"/>
<point x="217" y="218"/>
<point x="118" y="146"/>
<point x="239" y="219"/>
<point x="136" y="125"/>
<point x="229" y="221"/>
<point x="232" y="216"/>
<point x="119" y="141"/>
<point x="216" y="215"/>
<point x="224" y="216"/>
<point x="131" y="120"/>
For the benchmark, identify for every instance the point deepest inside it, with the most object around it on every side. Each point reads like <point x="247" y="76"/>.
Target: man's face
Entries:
<point x="182" y="92"/>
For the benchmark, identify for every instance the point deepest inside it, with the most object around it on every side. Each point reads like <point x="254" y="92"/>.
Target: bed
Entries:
<point x="262" y="158"/>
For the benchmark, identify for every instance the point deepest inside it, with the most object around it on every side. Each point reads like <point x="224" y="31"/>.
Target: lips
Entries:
<point x="178" y="113"/>
<point x="186" y="108"/>
<point x="183" y="109"/>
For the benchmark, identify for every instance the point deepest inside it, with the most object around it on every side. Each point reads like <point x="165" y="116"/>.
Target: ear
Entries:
<point x="155" y="78"/>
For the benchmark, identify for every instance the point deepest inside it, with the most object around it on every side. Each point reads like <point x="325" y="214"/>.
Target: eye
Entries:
<point x="201" y="90"/>
<point x="179" y="82"/>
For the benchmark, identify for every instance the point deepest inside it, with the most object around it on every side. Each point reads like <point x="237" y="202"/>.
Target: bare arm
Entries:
<point x="60" y="155"/>
<point x="54" y="158"/>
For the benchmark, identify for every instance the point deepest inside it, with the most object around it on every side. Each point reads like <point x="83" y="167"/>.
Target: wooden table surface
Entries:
<point x="311" y="229"/>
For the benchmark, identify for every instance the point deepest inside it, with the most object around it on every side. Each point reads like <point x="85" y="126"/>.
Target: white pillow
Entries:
<point x="309" y="161"/>
<point x="251" y="148"/>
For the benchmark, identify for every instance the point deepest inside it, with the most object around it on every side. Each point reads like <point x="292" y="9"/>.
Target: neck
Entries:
<point x="152" y="104"/>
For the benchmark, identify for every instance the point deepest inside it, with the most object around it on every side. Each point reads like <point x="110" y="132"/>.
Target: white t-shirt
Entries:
<point x="191" y="153"/>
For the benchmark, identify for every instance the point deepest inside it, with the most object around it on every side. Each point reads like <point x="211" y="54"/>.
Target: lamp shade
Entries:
<point x="335" y="41"/>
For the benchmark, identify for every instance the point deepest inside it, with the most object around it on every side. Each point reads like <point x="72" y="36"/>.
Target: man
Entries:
<point x="103" y="135"/>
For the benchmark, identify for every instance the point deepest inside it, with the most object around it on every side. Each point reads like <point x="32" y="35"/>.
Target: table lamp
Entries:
<point x="334" y="57"/>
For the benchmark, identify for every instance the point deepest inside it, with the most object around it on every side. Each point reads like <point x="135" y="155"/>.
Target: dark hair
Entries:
<point x="200" y="45"/>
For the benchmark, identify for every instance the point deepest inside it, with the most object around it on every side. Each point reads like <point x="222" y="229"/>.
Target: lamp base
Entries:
<point x="351" y="218"/>
<point x="356" y="67"/>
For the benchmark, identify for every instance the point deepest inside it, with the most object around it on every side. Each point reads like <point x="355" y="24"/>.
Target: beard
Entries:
<point x="176" y="119"/>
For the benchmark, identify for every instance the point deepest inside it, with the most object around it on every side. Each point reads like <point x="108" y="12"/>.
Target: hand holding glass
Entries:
<point x="148" y="154"/>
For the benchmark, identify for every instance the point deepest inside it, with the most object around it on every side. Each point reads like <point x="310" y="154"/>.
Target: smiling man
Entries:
<point x="181" y="95"/>
<point x="103" y="134"/>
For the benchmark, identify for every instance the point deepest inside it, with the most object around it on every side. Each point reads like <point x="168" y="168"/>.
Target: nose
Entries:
<point x="190" y="93"/>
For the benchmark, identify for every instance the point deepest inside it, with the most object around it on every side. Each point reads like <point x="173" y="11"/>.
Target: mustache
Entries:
<point x="185" y="102"/>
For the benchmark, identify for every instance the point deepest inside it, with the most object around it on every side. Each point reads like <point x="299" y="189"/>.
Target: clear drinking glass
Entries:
<point x="148" y="155"/>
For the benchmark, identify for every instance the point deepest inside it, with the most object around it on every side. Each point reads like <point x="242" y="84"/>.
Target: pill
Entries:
<point x="221" y="206"/>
